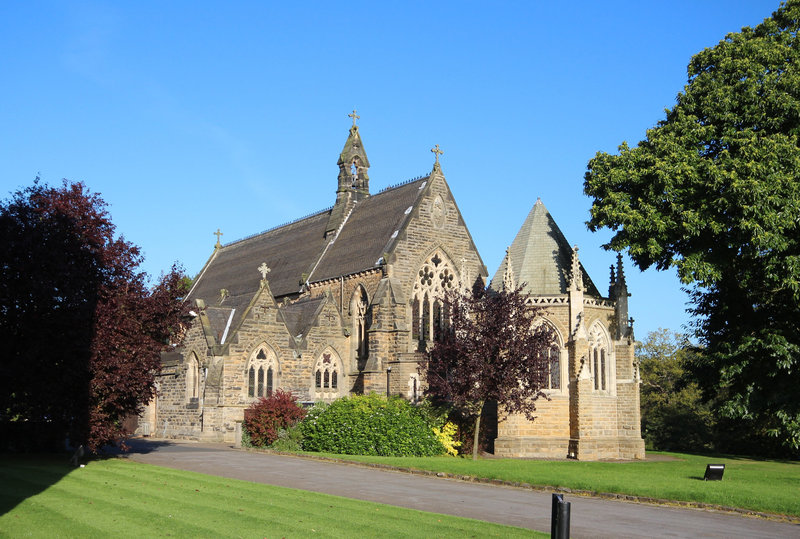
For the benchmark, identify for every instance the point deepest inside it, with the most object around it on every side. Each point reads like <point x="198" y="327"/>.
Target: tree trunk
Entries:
<point x="475" y="440"/>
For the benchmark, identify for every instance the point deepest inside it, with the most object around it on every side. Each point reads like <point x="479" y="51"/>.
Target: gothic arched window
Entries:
<point x="326" y="376"/>
<point x="261" y="372"/>
<point x="428" y="313"/>
<point x="551" y="367"/>
<point x="193" y="378"/>
<point x="554" y="368"/>
<point x="551" y="359"/>
<point x="598" y="358"/>
<point x="414" y="389"/>
<point x="359" y="310"/>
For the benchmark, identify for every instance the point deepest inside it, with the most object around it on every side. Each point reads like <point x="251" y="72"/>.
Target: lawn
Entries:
<point x="760" y="485"/>
<point x="43" y="497"/>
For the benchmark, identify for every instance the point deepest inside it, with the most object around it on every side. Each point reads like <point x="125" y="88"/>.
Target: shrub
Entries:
<point x="290" y="439"/>
<point x="246" y="438"/>
<point x="445" y="437"/>
<point x="369" y="425"/>
<point x="267" y="416"/>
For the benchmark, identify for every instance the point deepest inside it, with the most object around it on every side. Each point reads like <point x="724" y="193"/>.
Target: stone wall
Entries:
<point x="547" y="436"/>
<point x="586" y="423"/>
<point x="435" y="226"/>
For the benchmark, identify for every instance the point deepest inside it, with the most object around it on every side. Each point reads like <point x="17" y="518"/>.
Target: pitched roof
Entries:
<point x="301" y="315"/>
<point x="368" y="231"/>
<point x="541" y="257"/>
<point x="288" y="251"/>
<point x="299" y="248"/>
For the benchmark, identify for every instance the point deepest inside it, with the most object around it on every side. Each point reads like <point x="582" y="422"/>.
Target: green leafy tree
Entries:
<point x="714" y="190"/>
<point x="674" y="418"/>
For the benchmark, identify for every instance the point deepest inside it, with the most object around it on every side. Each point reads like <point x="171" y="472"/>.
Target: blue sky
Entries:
<point x="192" y="116"/>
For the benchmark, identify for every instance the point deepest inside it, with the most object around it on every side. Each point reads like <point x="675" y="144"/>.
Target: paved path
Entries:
<point x="590" y="517"/>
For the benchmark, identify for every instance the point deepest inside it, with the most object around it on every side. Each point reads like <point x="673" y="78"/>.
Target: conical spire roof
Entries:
<point x="541" y="256"/>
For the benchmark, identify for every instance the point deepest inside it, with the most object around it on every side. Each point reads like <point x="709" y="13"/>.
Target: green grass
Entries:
<point x="42" y="497"/>
<point x="757" y="484"/>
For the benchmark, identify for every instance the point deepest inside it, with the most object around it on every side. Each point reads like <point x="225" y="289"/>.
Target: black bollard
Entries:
<point x="563" y="521"/>
<point x="559" y="518"/>
<point x="557" y="499"/>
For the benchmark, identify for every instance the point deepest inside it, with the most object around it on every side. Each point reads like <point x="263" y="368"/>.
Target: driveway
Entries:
<point x="590" y="517"/>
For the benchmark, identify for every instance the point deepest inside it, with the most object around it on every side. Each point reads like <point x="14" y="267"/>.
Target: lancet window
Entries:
<point x="193" y="378"/>
<point x="552" y="362"/>
<point x="553" y="368"/>
<point x="262" y="373"/>
<point x="428" y="313"/>
<point x="599" y="358"/>
<point x="359" y="309"/>
<point x="327" y="376"/>
<point x="414" y="388"/>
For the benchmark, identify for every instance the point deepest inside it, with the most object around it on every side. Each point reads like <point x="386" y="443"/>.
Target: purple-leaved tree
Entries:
<point x="82" y="331"/>
<point x="493" y="348"/>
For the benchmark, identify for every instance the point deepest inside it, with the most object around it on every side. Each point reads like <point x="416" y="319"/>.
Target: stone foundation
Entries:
<point x="607" y="449"/>
<point x="530" y="447"/>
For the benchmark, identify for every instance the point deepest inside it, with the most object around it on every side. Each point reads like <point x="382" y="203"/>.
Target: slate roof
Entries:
<point x="218" y="318"/>
<point x="367" y="233"/>
<point x="301" y="315"/>
<point x="300" y="248"/>
<point x="542" y="257"/>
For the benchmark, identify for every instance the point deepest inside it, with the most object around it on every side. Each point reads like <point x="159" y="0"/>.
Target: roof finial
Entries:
<point x="437" y="152"/>
<point x="509" y="282"/>
<point x="218" y="234"/>
<point x="576" y="279"/>
<point x="612" y="282"/>
<point x="263" y="269"/>
<point x="620" y="272"/>
<point x="354" y="116"/>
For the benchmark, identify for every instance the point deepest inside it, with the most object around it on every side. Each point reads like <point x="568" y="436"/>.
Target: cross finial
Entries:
<point x="354" y="116"/>
<point x="218" y="234"/>
<point x="437" y="152"/>
<point x="264" y="269"/>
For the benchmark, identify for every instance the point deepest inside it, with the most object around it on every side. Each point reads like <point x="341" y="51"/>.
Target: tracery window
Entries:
<point x="327" y="372"/>
<point x="262" y="372"/>
<point x="598" y="358"/>
<point x="429" y="316"/>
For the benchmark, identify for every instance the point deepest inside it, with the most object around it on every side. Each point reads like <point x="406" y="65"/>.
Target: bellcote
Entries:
<point x="353" y="178"/>
<point x="353" y="165"/>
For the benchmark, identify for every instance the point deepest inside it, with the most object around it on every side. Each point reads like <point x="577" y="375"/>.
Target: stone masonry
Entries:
<point x="345" y="301"/>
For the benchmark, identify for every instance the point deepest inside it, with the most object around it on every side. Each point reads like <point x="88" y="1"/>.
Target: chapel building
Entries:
<point x="592" y="407"/>
<point x="343" y="301"/>
<point x="348" y="300"/>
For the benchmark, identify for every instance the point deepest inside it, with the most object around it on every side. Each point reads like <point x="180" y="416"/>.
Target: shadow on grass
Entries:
<point x="25" y="475"/>
<point x="727" y="456"/>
